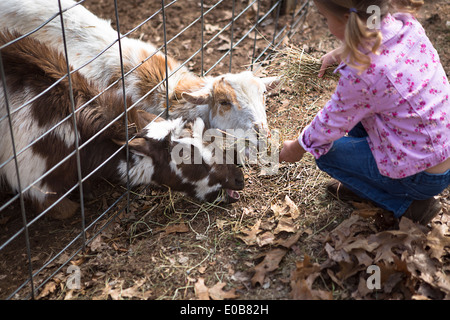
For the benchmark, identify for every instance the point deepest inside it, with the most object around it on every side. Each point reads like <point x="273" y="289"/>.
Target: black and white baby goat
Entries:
<point x="44" y="135"/>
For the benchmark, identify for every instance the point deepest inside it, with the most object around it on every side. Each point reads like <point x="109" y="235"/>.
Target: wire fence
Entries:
<point x="23" y="257"/>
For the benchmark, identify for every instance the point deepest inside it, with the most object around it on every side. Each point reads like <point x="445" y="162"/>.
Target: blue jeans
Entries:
<point x="351" y="162"/>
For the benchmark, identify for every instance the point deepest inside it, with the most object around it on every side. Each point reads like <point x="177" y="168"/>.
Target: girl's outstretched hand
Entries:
<point x="292" y="151"/>
<point x="328" y="60"/>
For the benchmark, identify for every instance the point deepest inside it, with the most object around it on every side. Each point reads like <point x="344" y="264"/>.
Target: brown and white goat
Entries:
<point x="44" y="135"/>
<point x="229" y="101"/>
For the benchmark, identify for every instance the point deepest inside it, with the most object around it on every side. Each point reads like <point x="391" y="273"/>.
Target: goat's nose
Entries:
<point x="239" y="182"/>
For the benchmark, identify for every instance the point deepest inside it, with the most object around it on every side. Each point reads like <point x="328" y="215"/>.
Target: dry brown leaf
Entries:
<point x="201" y="290"/>
<point x="285" y="224"/>
<point x="250" y="238"/>
<point x="438" y="241"/>
<point x="269" y="263"/>
<point x="286" y="208"/>
<point x="421" y="266"/>
<point x="79" y="261"/>
<point x="115" y="294"/>
<point x="412" y="264"/>
<point x="118" y="293"/>
<point x="177" y="228"/>
<point x="362" y="291"/>
<point x="49" y="288"/>
<point x="387" y="240"/>
<point x="98" y="244"/>
<point x="209" y="28"/>
<point x="353" y="225"/>
<point x="104" y="293"/>
<point x="136" y="291"/>
<point x="407" y="237"/>
<point x="289" y="241"/>
<point x="355" y="243"/>
<point x="442" y="281"/>
<point x="265" y="239"/>
<point x="69" y="295"/>
<point x="363" y="258"/>
<point x="348" y="267"/>
<point x="302" y="279"/>
<point x="216" y="292"/>
<point x="365" y="210"/>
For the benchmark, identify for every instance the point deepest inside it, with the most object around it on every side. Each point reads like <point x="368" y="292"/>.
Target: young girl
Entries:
<point x="385" y="133"/>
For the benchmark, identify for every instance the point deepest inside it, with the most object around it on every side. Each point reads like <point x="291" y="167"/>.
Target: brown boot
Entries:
<point x="340" y="192"/>
<point x="423" y="211"/>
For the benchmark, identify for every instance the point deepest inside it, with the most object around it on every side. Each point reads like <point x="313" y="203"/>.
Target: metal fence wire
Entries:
<point x="23" y="256"/>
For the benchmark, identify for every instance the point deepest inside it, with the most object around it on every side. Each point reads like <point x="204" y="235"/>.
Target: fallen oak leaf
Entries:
<point x="265" y="239"/>
<point x="286" y="225"/>
<point x="289" y="241"/>
<point x="362" y="291"/>
<point x="355" y="243"/>
<point x="270" y="263"/>
<point x="360" y="247"/>
<point x="250" y="238"/>
<point x="348" y="267"/>
<point x="136" y="291"/>
<point x="201" y="290"/>
<point x="362" y="257"/>
<point x="409" y="236"/>
<point x="387" y="241"/>
<point x="302" y="279"/>
<point x="49" y="288"/>
<point x="365" y="210"/>
<point x="421" y="266"/>
<point x="353" y="225"/>
<point x="287" y="207"/>
<point x="437" y="241"/>
<point x="216" y="292"/>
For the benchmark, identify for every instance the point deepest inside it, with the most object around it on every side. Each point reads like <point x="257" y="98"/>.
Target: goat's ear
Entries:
<point x="197" y="97"/>
<point x="141" y="118"/>
<point x="271" y="82"/>
<point x="137" y="145"/>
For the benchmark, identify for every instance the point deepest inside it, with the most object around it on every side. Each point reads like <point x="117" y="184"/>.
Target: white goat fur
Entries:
<point x="87" y="35"/>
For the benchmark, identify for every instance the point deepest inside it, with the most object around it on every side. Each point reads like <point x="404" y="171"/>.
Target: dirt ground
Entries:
<point x="283" y="240"/>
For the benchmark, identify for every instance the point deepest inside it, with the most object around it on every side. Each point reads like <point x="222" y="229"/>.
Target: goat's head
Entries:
<point x="173" y="153"/>
<point x="236" y="101"/>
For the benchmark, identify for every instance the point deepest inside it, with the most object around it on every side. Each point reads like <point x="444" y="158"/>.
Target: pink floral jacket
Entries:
<point x="402" y="100"/>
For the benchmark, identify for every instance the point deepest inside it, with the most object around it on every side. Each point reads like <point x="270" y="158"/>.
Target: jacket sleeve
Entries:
<point x="351" y="102"/>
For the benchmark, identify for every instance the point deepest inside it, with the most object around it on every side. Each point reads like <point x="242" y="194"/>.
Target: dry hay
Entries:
<point x="297" y="68"/>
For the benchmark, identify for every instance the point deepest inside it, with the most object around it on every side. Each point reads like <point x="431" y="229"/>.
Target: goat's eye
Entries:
<point x="225" y="103"/>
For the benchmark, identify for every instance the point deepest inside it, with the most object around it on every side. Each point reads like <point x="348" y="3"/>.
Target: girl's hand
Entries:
<point x="328" y="60"/>
<point x="292" y="151"/>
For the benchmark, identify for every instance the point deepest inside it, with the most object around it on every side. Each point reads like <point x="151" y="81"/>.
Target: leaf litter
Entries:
<point x="414" y="260"/>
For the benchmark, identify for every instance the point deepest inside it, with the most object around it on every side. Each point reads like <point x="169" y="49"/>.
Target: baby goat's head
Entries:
<point x="236" y="101"/>
<point x="173" y="154"/>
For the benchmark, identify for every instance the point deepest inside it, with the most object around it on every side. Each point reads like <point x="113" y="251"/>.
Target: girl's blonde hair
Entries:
<point x="357" y="34"/>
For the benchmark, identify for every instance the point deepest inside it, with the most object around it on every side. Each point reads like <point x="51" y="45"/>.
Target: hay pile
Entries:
<point x="297" y="68"/>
